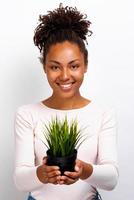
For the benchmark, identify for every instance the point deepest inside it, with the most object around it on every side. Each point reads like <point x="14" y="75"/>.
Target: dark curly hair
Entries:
<point x="59" y="25"/>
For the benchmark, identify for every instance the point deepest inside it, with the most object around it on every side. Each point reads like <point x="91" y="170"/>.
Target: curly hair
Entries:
<point x="59" y="25"/>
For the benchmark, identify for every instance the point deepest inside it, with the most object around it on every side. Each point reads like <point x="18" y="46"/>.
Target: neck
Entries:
<point x="67" y="103"/>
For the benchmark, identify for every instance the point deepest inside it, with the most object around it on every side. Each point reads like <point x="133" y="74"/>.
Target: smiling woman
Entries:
<point x="60" y="37"/>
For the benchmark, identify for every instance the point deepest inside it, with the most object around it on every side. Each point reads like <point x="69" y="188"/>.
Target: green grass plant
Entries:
<point x="61" y="137"/>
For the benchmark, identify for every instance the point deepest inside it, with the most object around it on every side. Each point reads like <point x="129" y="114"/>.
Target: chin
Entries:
<point x="67" y="95"/>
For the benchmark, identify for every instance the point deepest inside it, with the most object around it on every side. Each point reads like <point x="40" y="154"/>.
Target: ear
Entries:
<point x="86" y="67"/>
<point x="44" y="68"/>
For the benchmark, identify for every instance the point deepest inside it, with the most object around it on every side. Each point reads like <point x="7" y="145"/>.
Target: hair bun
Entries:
<point x="65" y="18"/>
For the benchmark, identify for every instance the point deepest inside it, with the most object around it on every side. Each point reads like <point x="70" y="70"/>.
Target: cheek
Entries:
<point x="51" y="77"/>
<point x="79" y="75"/>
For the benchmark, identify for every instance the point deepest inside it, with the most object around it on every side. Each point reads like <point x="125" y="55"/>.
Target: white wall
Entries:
<point x="109" y="78"/>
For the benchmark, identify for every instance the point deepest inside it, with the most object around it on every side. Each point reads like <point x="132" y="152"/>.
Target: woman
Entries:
<point x="61" y="37"/>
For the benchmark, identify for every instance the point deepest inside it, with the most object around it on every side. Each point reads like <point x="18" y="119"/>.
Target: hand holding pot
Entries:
<point x="48" y="174"/>
<point x="82" y="171"/>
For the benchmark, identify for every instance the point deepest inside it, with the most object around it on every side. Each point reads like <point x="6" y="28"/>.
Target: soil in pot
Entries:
<point x="66" y="163"/>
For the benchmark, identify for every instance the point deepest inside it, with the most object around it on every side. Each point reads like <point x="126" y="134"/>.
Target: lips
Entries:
<point x="66" y="86"/>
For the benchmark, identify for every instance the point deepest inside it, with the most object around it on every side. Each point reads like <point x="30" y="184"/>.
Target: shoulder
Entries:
<point x="108" y="114"/>
<point x="28" y="107"/>
<point x="28" y="113"/>
<point x="28" y="110"/>
<point x="102" y="109"/>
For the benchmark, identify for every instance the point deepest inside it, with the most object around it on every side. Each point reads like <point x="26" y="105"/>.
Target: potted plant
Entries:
<point x="62" y="141"/>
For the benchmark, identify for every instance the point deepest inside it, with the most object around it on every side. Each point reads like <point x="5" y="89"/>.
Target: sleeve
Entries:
<point x="105" y="172"/>
<point x="25" y="177"/>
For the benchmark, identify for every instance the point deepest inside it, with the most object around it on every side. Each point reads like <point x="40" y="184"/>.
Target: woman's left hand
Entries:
<point x="82" y="171"/>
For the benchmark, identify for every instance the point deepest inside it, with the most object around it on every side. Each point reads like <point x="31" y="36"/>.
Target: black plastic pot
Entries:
<point x="66" y="163"/>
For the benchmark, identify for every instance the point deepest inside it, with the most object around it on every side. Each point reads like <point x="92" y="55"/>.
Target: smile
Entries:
<point x="66" y="87"/>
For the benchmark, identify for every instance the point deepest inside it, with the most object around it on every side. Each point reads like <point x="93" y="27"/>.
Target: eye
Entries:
<point x="54" y="68"/>
<point x="74" y="67"/>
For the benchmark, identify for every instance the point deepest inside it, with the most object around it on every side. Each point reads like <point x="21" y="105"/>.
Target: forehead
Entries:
<point x="64" y="51"/>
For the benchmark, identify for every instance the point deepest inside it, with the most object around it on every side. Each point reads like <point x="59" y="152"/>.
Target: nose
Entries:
<point x="65" y="75"/>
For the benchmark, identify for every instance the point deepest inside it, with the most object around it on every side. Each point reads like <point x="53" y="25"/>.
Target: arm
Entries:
<point x="25" y="171"/>
<point x="105" y="173"/>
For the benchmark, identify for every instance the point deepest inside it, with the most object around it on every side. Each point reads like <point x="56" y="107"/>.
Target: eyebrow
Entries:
<point x="60" y="63"/>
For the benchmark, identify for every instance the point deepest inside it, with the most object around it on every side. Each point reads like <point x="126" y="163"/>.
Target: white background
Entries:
<point x="109" y="78"/>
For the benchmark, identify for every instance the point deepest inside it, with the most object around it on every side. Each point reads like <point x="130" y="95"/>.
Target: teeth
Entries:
<point x="66" y="86"/>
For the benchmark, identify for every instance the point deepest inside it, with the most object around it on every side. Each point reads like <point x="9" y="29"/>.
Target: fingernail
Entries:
<point x="57" y="168"/>
<point x="61" y="182"/>
<point x="77" y="168"/>
<point x="66" y="173"/>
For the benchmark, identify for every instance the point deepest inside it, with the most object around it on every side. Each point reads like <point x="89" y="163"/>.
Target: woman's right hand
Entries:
<point x="48" y="174"/>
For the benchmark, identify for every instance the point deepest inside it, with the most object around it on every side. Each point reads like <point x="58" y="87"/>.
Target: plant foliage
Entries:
<point x="61" y="137"/>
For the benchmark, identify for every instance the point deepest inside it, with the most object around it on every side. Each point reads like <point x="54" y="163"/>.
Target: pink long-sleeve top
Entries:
<point x="99" y="149"/>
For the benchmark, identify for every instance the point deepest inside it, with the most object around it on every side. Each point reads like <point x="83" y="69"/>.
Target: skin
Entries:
<point x="65" y="68"/>
<point x="65" y="65"/>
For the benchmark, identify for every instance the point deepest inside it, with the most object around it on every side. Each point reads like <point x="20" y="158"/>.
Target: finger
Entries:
<point x="55" y="180"/>
<point x="51" y="168"/>
<point x="72" y="175"/>
<point x="44" y="160"/>
<point x="53" y="174"/>
<point x="67" y="180"/>
<point x="78" y="165"/>
<point x="77" y="168"/>
<point x="51" y="177"/>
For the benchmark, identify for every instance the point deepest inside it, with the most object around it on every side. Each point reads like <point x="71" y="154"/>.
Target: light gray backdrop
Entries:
<point x="109" y="78"/>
